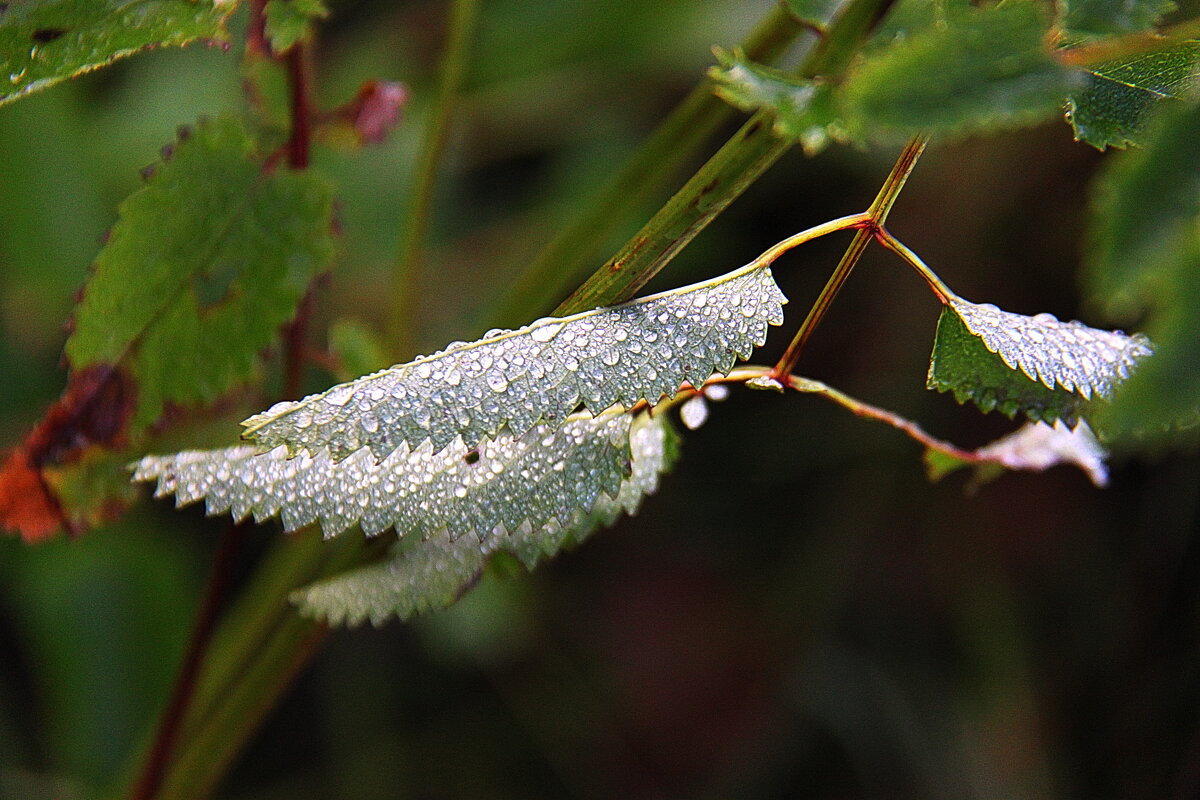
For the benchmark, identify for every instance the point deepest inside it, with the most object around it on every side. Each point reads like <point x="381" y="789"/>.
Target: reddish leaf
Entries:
<point x="373" y="112"/>
<point x="94" y="410"/>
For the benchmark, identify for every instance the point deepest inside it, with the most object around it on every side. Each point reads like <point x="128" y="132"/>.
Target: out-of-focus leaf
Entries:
<point x="45" y="41"/>
<point x="430" y="574"/>
<point x="1091" y="18"/>
<point x="1145" y="209"/>
<point x="641" y="350"/>
<point x="980" y="70"/>
<point x="289" y="21"/>
<point x="800" y="105"/>
<point x="94" y="410"/>
<point x="203" y="266"/>
<point x="356" y="349"/>
<point x="1110" y="110"/>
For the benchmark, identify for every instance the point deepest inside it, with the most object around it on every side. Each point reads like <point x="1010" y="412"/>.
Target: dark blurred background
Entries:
<point x="797" y="613"/>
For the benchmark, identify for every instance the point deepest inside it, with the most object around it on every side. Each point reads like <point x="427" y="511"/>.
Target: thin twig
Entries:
<point x="876" y="216"/>
<point x="215" y="586"/>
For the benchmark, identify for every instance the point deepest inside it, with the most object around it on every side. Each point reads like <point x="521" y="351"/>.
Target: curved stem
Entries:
<point x="944" y="293"/>
<point x="869" y="228"/>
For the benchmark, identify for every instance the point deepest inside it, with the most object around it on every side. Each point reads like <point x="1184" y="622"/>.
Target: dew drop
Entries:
<point x="544" y="333"/>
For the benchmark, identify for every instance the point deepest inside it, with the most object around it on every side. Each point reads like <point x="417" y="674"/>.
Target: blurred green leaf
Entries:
<point x="45" y="41"/>
<point x="1145" y="206"/>
<point x="1110" y="110"/>
<point x="289" y="21"/>
<point x="1145" y="260"/>
<point x="979" y="70"/>
<point x="356" y="348"/>
<point x="1109" y="17"/>
<point x="800" y="105"/>
<point x="815" y="13"/>
<point x="203" y="266"/>
<point x="961" y="363"/>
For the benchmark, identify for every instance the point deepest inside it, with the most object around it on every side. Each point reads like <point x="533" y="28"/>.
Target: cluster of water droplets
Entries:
<point x="642" y="350"/>
<point x="1077" y="357"/>
<point x="548" y="474"/>
<point x="433" y="573"/>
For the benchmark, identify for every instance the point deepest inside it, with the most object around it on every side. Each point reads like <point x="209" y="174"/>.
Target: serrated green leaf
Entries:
<point x="1092" y="18"/>
<point x="1068" y="354"/>
<point x="961" y="363"/>
<point x="289" y="21"/>
<point x="982" y="69"/>
<point x="203" y="266"/>
<point x="43" y="42"/>
<point x="430" y="574"/>
<point x="801" y="106"/>
<point x="1110" y="110"/>
<point x="1145" y="208"/>
<point x="547" y="473"/>
<point x="512" y="380"/>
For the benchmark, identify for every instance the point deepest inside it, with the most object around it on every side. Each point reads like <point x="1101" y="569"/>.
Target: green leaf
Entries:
<point x="1111" y="109"/>
<point x="961" y="363"/>
<point x="1094" y="18"/>
<point x="45" y="41"/>
<point x="1144" y="263"/>
<point x="547" y="473"/>
<point x="203" y="266"/>
<point x="641" y="350"/>
<point x="983" y="69"/>
<point x="1145" y="208"/>
<point x="1080" y="359"/>
<point x="801" y="106"/>
<point x="433" y="573"/>
<point x="289" y="21"/>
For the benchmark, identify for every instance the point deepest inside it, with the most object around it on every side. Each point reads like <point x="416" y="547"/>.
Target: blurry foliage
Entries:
<point x="797" y="611"/>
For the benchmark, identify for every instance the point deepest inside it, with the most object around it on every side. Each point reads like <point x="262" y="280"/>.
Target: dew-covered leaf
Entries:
<point x="641" y="350"/>
<point x="1071" y="355"/>
<point x="203" y="266"/>
<point x="979" y="69"/>
<point x="1092" y="18"/>
<point x="547" y="473"/>
<point x="961" y="363"/>
<point x="801" y="106"/>
<point x="45" y="41"/>
<point x="1035" y="446"/>
<point x="433" y="573"/>
<point x="1111" y="108"/>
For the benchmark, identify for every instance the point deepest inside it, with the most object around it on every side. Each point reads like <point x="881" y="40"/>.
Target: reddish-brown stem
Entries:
<point x="211" y="601"/>
<point x="294" y="351"/>
<point x="868" y="229"/>
<point x="301" y="134"/>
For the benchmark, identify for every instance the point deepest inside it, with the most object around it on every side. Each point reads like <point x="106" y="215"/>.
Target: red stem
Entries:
<point x="302" y="111"/>
<point x="215" y="587"/>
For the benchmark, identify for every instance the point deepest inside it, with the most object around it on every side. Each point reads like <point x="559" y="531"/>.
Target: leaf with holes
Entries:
<point x="43" y="42"/>
<point x="1111" y="109"/>
<point x="641" y="350"/>
<point x="203" y="266"/>
<point x="433" y="573"/>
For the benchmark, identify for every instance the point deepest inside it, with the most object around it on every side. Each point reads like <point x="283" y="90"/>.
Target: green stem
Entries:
<point x="721" y="180"/>
<point x="451" y="71"/>
<point x="944" y="292"/>
<point x="869" y="229"/>
<point x="689" y="126"/>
